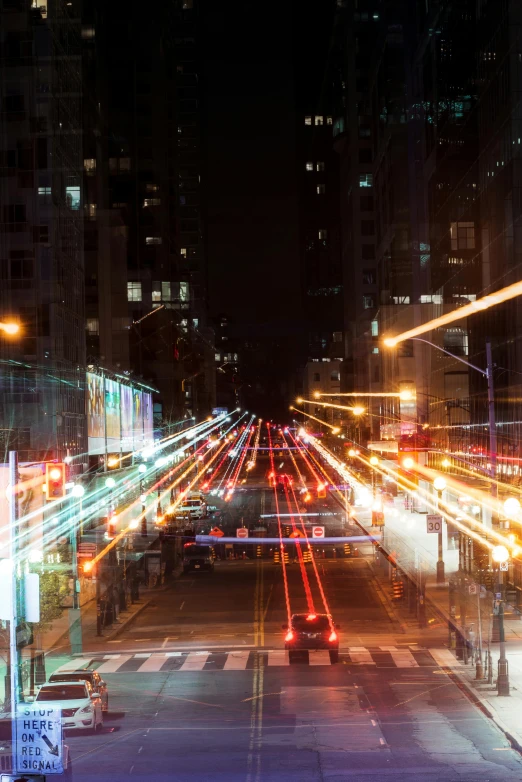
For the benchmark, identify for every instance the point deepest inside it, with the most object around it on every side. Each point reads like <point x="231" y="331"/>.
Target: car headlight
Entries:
<point x="86" y="709"/>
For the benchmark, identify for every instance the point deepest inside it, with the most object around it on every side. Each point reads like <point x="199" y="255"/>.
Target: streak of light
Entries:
<point x="491" y="300"/>
<point x="335" y="429"/>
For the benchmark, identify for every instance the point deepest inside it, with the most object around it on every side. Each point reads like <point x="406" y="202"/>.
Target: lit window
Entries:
<point x="90" y="211"/>
<point x="322" y="233"/>
<point x="432" y="298"/>
<point x="309" y="166"/>
<point x="125" y="164"/>
<point x="320" y="165"/>
<point x="72" y="196"/>
<point x="368" y="302"/>
<point x="184" y="291"/>
<point x="375" y="350"/>
<point x="375" y="328"/>
<point x="44" y="195"/>
<point x="93" y="326"/>
<point x="153" y="240"/>
<point x="156" y="291"/>
<point x="151" y="202"/>
<point x="329" y="121"/>
<point x="134" y="291"/>
<point x="335" y="376"/>
<point x="195" y="322"/>
<point x="366" y="180"/>
<point x="88" y="32"/>
<point x="321" y="189"/>
<point x="456" y="341"/>
<point x="152" y="188"/>
<point x="318" y="119"/>
<point x="217" y="356"/>
<point x="165" y="291"/>
<point x="462" y="236"/>
<point x="89" y="165"/>
<point x="183" y="252"/>
<point x="308" y="120"/>
<point x="184" y="323"/>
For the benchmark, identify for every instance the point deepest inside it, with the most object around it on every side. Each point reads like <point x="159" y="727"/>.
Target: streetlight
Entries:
<point x="500" y="554"/>
<point x="439" y="484"/>
<point x="488" y="374"/>
<point x="511" y="507"/>
<point x="10" y="328"/>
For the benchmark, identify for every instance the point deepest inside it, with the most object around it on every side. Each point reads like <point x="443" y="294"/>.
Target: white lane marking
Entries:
<point x="111" y="656"/>
<point x="116" y="662"/>
<point x="195" y="661"/>
<point x="402" y="658"/>
<point x="181" y="606"/>
<point x="444" y="657"/>
<point x="319" y="657"/>
<point x="359" y="654"/>
<point x="278" y="657"/>
<point x="165" y="642"/>
<point x="143" y="654"/>
<point x="153" y="663"/>
<point x="173" y="654"/>
<point x="236" y="661"/>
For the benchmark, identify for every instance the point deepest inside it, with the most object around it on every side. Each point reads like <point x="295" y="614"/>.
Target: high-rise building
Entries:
<point x="146" y="288"/>
<point x="41" y="236"/>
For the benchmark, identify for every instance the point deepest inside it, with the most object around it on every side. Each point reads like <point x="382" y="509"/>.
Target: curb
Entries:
<point x="126" y="622"/>
<point x="477" y="699"/>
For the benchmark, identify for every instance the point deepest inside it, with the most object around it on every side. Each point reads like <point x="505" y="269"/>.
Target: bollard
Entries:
<point x="490" y="668"/>
<point x="479" y="668"/>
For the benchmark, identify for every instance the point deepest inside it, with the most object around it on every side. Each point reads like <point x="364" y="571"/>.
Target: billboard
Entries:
<point x="119" y="416"/>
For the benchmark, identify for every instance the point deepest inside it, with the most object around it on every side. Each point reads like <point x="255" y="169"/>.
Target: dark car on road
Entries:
<point x="88" y="675"/>
<point x="311" y="631"/>
<point x="197" y="556"/>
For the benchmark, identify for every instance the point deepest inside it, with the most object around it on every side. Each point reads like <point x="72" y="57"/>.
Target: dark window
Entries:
<point x="14" y="213"/>
<point x="366" y="203"/>
<point x="367" y="227"/>
<point x="368" y="252"/>
<point x="369" y="277"/>
<point x="317" y="377"/>
<point x="365" y="156"/>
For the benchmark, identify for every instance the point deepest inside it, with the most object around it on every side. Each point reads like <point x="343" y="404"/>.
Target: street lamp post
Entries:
<point x="439" y="484"/>
<point x="488" y="374"/>
<point x="501" y="555"/>
<point x="374" y="461"/>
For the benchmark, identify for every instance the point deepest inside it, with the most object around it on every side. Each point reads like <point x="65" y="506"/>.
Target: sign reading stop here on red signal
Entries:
<point x="318" y="532"/>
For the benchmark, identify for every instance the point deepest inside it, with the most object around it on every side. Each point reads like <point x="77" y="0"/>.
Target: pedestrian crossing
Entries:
<point x="247" y="659"/>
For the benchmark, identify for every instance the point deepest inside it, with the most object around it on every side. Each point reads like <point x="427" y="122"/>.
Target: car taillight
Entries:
<point x="333" y="636"/>
<point x="289" y="636"/>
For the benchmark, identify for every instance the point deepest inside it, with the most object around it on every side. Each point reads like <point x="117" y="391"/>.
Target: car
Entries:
<point x="88" y="675"/>
<point x="80" y="705"/>
<point x="198" y="556"/>
<point x="195" y="508"/>
<point x="311" y="631"/>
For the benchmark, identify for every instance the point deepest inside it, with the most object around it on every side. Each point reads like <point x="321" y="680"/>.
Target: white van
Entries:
<point x="195" y="508"/>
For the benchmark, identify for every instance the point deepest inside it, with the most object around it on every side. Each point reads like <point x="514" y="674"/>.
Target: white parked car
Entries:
<point x="81" y="707"/>
<point x="195" y="508"/>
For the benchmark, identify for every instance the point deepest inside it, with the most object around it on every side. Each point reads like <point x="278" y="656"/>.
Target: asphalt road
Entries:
<point x="200" y="688"/>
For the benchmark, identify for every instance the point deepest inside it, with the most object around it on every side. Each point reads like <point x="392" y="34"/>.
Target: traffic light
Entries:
<point x="397" y="590"/>
<point x="54" y="481"/>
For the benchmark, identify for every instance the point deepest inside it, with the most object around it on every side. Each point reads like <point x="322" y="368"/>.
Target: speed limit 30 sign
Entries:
<point x="433" y="523"/>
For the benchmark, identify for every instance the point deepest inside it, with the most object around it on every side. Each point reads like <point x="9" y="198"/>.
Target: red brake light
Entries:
<point x="311" y="617"/>
<point x="289" y="636"/>
<point x="333" y="636"/>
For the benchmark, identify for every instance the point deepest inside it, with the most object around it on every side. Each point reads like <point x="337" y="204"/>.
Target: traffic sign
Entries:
<point x="472" y="589"/>
<point x="296" y="534"/>
<point x="503" y="566"/>
<point x="318" y="532"/>
<point x="241" y="532"/>
<point x="38" y="742"/>
<point x="433" y="523"/>
<point x="216" y="532"/>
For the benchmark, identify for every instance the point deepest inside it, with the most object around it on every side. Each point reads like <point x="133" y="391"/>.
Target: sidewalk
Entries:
<point x="505" y="711"/>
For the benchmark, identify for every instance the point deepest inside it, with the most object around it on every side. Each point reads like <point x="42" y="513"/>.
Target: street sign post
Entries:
<point x="433" y="523"/>
<point x="241" y="532"/>
<point x="38" y="740"/>
<point x="318" y="532"/>
<point x="216" y="532"/>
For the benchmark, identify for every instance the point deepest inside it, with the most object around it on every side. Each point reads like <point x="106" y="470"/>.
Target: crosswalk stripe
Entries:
<point x="73" y="665"/>
<point x="153" y="663"/>
<point x="278" y="657"/>
<point x="236" y="661"/>
<point x="195" y="661"/>
<point x="402" y="658"/>
<point x="359" y="654"/>
<point x="319" y="657"/>
<point x="116" y="662"/>
<point x="444" y="657"/>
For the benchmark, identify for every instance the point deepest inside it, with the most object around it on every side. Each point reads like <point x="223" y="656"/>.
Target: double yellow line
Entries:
<point x="256" y="714"/>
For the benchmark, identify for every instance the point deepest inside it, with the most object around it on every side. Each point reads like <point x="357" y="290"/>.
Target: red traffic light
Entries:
<point x="54" y="481"/>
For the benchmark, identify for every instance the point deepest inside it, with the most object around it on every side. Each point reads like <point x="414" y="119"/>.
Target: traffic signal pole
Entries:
<point x="14" y="668"/>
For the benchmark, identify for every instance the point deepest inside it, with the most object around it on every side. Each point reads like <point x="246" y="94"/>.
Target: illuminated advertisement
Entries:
<point x="119" y="416"/>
